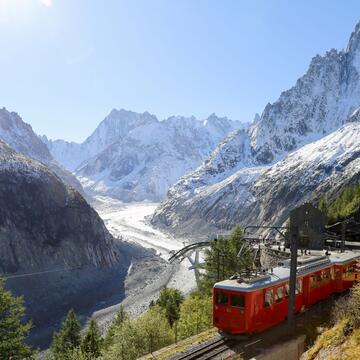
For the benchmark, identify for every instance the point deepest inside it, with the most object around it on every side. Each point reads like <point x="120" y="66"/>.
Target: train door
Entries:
<point x="268" y="311"/>
<point x="222" y="310"/>
<point x="256" y="321"/>
<point x="280" y="304"/>
<point x="238" y="303"/>
<point x="306" y="291"/>
<point x="299" y="300"/>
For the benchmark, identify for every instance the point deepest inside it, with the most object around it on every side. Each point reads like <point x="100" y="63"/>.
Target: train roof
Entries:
<point x="306" y="264"/>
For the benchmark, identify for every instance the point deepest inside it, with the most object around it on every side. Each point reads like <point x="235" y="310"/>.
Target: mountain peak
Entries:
<point x="354" y="40"/>
<point x="21" y="137"/>
<point x="213" y="115"/>
<point x="256" y="118"/>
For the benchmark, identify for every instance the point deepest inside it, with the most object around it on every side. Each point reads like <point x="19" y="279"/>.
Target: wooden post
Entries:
<point x="294" y="240"/>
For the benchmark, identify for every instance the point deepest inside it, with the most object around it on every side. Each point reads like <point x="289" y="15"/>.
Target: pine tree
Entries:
<point x="323" y="205"/>
<point x="170" y="300"/>
<point x="222" y="261"/>
<point x="92" y="341"/>
<point x="12" y="330"/>
<point x="120" y="318"/>
<point x="195" y="315"/>
<point x="68" y="338"/>
<point x="133" y="339"/>
<point x="155" y="329"/>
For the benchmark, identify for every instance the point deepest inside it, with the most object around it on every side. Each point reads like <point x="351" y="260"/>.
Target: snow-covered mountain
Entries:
<point x="135" y="157"/>
<point x="266" y="194"/>
<point x="321" y="101"/>
<point x="21" y="137"/>
<point x="112" y="129"/>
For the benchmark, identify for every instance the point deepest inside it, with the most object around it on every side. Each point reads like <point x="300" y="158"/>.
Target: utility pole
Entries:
<point x="218" y="264"/>
<point x="294" y="241"/>
<point x="343" y="236"/>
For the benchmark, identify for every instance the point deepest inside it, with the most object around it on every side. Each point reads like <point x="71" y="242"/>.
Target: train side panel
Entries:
<point x="240" y="309"/>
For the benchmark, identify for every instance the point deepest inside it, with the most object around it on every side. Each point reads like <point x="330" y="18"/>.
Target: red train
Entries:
<point x="256" y="304"/>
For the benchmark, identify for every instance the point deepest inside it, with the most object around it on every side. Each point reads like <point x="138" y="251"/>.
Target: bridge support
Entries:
<point x="195" y="265"/>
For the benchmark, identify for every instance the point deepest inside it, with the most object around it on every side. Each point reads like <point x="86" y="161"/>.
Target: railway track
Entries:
<point x="209" y="350"/>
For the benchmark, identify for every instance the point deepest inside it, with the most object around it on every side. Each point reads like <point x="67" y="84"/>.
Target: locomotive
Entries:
<point x="254" y="304"/>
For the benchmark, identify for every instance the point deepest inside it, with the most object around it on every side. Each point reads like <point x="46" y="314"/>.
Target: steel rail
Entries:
<point x="209" y="350"/>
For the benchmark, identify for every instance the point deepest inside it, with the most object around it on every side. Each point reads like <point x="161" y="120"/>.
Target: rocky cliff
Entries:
<point x="21" y="137"/>
<point x="54" y="248"/>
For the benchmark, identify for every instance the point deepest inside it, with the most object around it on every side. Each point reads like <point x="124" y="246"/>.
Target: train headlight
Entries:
<point x="216" y="308"/>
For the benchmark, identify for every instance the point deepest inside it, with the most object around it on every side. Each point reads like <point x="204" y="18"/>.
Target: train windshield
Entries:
<point x="222" y="298"/>
<point x="237" y="300"/>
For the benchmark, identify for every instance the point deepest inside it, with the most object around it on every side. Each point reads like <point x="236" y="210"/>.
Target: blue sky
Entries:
<point x="65" y="64"/>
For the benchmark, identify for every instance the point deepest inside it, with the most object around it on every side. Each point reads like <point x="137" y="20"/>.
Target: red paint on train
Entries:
<point x="245" y="308"/>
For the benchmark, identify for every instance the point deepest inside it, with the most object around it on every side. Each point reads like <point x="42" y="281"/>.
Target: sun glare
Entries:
<point x="47" y="3"/>
<point x="20" y="11"/>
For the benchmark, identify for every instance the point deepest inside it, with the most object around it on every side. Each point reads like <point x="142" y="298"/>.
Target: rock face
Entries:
<point x="267" y="194"/>
<point x="21" y="137"/>
<point x="43" y="222"/>
<point x="324" y="99"/>
<point x="54" y="248"/>
<point x="135" y="157"/>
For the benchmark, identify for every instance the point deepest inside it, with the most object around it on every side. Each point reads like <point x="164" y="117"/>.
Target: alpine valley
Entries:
<point x="54" y="247"/>
<point x="202" y="176"/>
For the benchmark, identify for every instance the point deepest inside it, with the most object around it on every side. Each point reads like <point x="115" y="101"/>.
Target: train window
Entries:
<point x="312" y="281"/>
<point x="319" y="279"/>
<point x="286" y="288"/>
<point x="332" y="274"/>
<point x="269" y="298"/>
<point x="337" y="274"/>
<point x="222" y="298"/>
<point x="279" y="294"/>
<point x="298" y="288"/>
<point x="326" y="276"/>
<point x="237" y="300"/>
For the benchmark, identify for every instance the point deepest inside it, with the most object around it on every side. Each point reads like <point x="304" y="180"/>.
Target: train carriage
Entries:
<point x="250" y="305"/>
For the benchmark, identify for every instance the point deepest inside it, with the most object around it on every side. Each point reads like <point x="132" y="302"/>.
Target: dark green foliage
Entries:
<point x="92" y="341"/>
<point x="120" y="319"/>
<point x="134" y="338"/>
<point x="221" y="260"/>
<point x="195" y="314"/>
<point x="347" y="204"/>
<point x="67" y="339"/>
<point x="323" y="204"/>
<point x="12" y="330"/>
<point x="170" y="300"/>
<point x="121" y="316"/>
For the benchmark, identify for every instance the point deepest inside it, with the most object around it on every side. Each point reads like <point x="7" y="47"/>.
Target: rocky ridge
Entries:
<point x="216" y="194"/>
<point x="136" y="157"/>
<point x="21" y="137"/>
